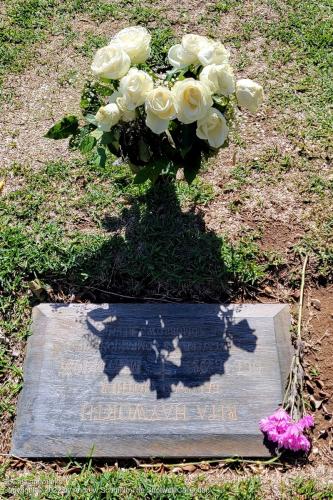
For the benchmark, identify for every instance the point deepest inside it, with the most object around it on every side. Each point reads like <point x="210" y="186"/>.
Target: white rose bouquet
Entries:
<point x="156" y="122"/>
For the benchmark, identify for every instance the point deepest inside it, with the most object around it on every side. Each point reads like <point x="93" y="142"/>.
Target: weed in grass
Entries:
<point x="144" y="15"/>
<point x="91" y="43"/>
<point x="221" y="7"/>
<point x="68" y="78"/>
<point x="309" y="489"/>
<point x="306" y="26"/>
<point x="320" y="185"/>
<point x="318" y="242"/>
<point x="215" y="11"/>
<point x="314" y="372"/>
<point x="198" y="192"/>
<point x="99" y="10"/>
<point x="274" y="260"/>
<point x="24" y="25"/>
<point x="243" y="60"/>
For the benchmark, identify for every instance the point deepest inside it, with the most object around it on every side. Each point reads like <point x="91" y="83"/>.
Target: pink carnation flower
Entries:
<point x="276" y="423"/>
<point x="306" y="422"/>
<point x="294" y="440"/>
<point x="280" y="429"/>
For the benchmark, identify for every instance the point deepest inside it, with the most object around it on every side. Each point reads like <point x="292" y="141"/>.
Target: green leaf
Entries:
<point x="164" y="166"/>
<point x="101" y="157"/>
<point x="106" y="138"/>
<point x="64" y="128"/>
<point x="106" y="80"/>
<point x="143" y="175"/>
<point x="92" y="95"/>
<point x="144" y="151"/>
<point x="111" y="139"/>
<point x="90" y="118"/>
<point x="221" y="100"/>
<point x="87" y="144"/>
<point x="173" y="72"/>
<point x="78" y="136"/>
<point x="224" y="105"/>
<point x="153" y="170"/>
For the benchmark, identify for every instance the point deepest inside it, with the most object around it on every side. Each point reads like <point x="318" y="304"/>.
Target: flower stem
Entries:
<point x="293" y="398"/>
<point x="300" y="309"/>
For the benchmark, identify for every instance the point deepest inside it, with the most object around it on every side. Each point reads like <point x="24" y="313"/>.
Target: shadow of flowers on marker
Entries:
<point x="168" y="346"/>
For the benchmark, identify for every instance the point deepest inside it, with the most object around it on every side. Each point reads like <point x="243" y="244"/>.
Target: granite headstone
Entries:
<point x="142" y="380"/>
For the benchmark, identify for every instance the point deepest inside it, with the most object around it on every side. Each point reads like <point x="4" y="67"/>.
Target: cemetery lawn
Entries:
<point x="73" y="231"/>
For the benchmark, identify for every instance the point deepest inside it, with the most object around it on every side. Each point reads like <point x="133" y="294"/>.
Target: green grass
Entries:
<point x="304" y="35"/>
<point x="26" y="23"/>
<point x="130" y="484"/>
<point x="133" y="484"/>
<point x="138" y="231"/>
<point x="91" y="43"/>
<point x="308" y="489"/>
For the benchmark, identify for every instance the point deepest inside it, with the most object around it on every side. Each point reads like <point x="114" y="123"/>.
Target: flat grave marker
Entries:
<point x="143" y="380"/>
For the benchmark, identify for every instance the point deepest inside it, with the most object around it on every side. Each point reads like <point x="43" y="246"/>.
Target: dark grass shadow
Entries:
<point x="156" y="250"/>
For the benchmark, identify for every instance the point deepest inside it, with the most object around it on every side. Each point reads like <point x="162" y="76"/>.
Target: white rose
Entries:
<point x="181" y="55"/>
<point x="213" y="128"/>
<point x="249" y="94"/>
<point x="191" y="99"/>
<point x="213" y="53"/>
<point x="127" y="115"/>
<point x="135" y="41"/>
<point x="134" y="87"/>
<point x="194" y="43"/>
<point x="107" y="116"/>
<point x="180" y="58"/>
<point x="219" y="78"/>
<point x="111" y="62"/>
<point x="159" y="109"/>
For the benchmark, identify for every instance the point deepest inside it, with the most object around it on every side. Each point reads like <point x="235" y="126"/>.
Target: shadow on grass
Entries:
<point x="158" y="251"/>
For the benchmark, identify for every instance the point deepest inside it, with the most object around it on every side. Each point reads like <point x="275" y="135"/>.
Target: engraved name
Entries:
<point x="163" y="412"/>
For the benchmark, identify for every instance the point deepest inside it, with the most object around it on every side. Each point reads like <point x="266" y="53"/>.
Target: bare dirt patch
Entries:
<point x="319" y="367"/>
<point x="40" y="99"/>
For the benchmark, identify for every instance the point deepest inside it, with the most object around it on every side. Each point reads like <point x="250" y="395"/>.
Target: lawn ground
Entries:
<point x="73" y="231"/>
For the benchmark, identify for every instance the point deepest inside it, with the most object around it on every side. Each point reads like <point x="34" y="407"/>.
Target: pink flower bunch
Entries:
<point x="281" y="429"/>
